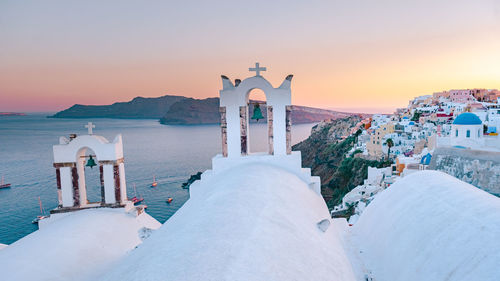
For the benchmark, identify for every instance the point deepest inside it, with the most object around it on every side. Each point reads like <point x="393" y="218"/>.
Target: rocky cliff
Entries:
<point x="139" y="107"/>
<point x="206" y="111"/>
<point x="178" y="110"/>
<point x="326" y="152"/>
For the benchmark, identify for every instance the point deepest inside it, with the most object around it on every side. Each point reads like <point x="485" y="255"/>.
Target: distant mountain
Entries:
<point x="193" y="111"/>
<point x="11" y="114"/>
<point x="178" y="110"/>
<point x="138" y="108"/>
<point x="206" y="111"/>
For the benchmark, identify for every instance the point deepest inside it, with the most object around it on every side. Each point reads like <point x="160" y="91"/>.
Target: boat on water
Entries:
<point x="42" y="213"/>
<point x="154" y="184"/>
<point x="38" y="218"/>
<point x="136" y="200"/>
<point x="4" y="185"/>
<point x="169" y="199"/>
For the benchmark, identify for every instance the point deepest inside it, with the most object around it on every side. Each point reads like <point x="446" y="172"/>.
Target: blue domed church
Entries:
<point x="466" y="130"/>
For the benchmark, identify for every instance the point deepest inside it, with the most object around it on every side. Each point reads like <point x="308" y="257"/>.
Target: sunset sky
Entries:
<point x="370" y="56"/>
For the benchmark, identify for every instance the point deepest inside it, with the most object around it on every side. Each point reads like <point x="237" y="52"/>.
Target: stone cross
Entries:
<point x="90" y="126"/>
<point x="257" y="69"/>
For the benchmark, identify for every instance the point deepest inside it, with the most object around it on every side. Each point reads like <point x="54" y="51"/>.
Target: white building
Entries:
<point x="466" y="130"/>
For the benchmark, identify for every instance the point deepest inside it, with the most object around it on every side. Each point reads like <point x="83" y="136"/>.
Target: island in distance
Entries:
<point x="179" y="110"/>
<point x="11" y="114"/>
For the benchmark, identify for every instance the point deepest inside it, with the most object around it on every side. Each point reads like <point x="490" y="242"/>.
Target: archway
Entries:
<point x="258" y="129"/>
<point x="90" y="179"/>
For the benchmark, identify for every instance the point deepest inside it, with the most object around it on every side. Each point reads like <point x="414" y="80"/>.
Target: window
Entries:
<point x="478" y="133"/>
<point x="468" y="134"/>
<point x="456" y="133"/>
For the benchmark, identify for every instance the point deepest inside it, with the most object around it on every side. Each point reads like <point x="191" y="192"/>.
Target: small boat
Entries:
<point x="154" y="184"/>
<point x="135" y="199"/>
<point x="4" y="185"/>
<point x="169" y="199"/>
<point x="42" y="213"/>
<point x="38" y="218"/>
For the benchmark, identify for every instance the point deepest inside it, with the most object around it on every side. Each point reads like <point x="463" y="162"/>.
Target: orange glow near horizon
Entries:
<point x="343" y="56"/>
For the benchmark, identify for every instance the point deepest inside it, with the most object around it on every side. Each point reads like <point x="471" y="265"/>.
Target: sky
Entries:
<point x="363" y="56"/>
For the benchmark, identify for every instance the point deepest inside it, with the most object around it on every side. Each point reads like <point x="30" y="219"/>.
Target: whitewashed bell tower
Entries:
<point x="69" y="160"/>
<point x="234" y="102"/>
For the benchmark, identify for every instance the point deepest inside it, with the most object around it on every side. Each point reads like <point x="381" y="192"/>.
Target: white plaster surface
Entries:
<point x="109" y="184"/>
<point x="67" y="197"/>
<point x="123" y="183"/>
<point x="253" y="222"/>
<point x="430" y="226"/>
<point x="74" y="246"/>
<point x="104" y="150"/>
<point x="292" y="163"/>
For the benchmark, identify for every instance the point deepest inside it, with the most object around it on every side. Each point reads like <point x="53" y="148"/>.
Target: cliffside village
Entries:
<point x="454" y="131"/>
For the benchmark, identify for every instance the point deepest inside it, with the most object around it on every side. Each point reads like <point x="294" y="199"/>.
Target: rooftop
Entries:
<point x="467" y="118"/>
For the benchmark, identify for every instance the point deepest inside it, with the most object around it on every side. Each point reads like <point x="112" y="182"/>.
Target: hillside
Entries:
<point x="178" y="110"/>
<point x="195" y="111"/>
<point x="139" y="107"/>
<point x="326" y="152"/>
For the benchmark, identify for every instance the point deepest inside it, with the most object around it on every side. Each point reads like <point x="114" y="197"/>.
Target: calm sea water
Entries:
<point x="172" y="153"/>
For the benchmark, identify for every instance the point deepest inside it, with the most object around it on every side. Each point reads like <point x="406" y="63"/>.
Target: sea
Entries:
<point x="169" y="153"/>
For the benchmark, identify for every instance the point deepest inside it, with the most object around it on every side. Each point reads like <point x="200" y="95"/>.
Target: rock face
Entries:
<point x="326" y="152"/>
<point x="479" y="168"/>
<point x="139" y="107"/>
<point x="193" y="111"/>
<point x="178" y="110"/>
<point x="206" y="111"/>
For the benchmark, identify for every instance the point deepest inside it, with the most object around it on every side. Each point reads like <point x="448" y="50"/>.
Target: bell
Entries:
<point x="91" y="162"/>
<point x="257" y="113"/>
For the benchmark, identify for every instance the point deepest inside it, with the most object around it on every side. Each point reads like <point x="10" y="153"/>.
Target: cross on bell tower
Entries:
<point x="257" y="69"/>
<point x="90" y="126"/>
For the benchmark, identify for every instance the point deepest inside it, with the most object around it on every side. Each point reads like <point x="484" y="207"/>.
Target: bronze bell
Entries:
<point x="257" y="113"/>
<point x="91" y="162"/>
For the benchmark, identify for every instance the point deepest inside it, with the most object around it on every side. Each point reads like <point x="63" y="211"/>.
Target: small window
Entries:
<point x="456" y="133"/>
<point x="478" y="133"/>
<point x="468" y="134"/>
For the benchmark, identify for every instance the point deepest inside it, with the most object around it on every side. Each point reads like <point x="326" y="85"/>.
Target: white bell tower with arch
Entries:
<point x="234" y="102"/>
<point x="69" y="161"/>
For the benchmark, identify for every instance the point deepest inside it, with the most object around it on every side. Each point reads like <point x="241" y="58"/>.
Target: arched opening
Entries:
<point x="258" y="132"/>
<point x="89" y="178"/>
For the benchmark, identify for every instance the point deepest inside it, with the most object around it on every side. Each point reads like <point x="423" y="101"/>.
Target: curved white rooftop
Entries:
<point x="431" y="226"/>
<point x="253" y="222"/>
<point x="75" y="246"/>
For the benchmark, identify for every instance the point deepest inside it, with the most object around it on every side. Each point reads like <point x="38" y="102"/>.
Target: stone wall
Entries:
<point x="479" y="168"/>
